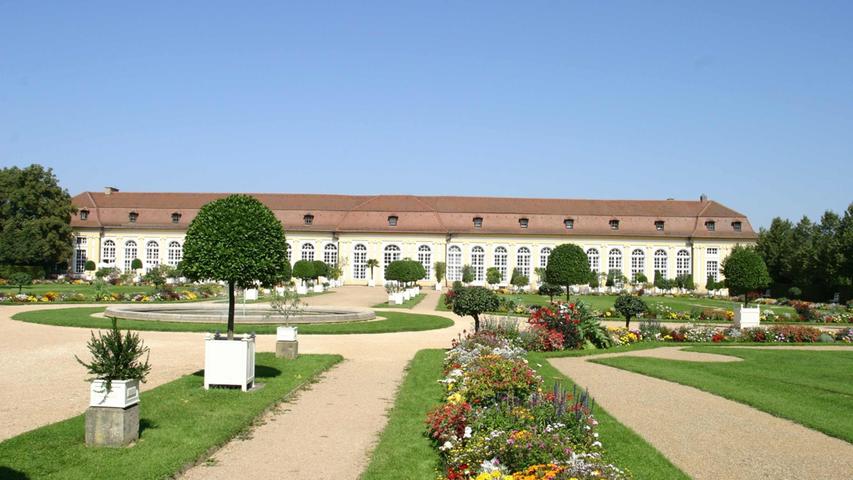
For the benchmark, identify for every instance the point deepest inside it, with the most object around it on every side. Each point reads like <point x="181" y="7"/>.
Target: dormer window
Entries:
<point x="737" y="226"/>
<point x="478" y="222"/>
<point x="392" y="221"/>
<point x="176" y="217"/>
<point x="84" y="214"/>
<point x="711" y="225"/>
<point x="308" y="219"/>
<point x="523" y="222"/>
<point x="132" y="216"/>
<point x="659" y="225"/>
<point x="614" y="224"/>
<point x="569" y="223"/>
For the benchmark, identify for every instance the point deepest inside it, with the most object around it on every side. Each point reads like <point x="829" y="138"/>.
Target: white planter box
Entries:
<point x="250" y="294"/>
<point x="398" y="298"/>
<point x="286" y="334"/>
<point x="279" y="290"/>
<point x="301" y="290"/>
<point x="122" y="393"/>
<point x="438" y="286"/>
<point x="229" y="362"/>
<point x="318" y="288"/>
<point x="371" y="283"/>
<point x="747" y="317"/>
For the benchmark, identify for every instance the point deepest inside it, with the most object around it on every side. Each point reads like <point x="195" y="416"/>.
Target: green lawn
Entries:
<point x="82" y="317"/>
<point x="180" y="425"/>
<point x="407" y="304"/>
<point x="404" y="451"/>
<point x="813" y="388"/>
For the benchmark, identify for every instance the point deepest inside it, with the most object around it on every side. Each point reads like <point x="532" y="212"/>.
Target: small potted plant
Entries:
<point x="304" y="271"/>
<point x="116" y="370"/>
<point x="440" y="270"/>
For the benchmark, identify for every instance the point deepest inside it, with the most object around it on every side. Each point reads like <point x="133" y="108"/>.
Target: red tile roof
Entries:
<point x="431" y="214"/>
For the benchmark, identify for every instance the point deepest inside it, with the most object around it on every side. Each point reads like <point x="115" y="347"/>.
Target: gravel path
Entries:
<point x="706" y="436"/>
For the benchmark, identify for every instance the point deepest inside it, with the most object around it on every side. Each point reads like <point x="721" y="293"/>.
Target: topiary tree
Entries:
<point x="550" y="290"/>
<point x="641" y="278"/>
<point x="304" y="270"/>
<point x="711" y="284"/>
<point x="474" y="301"/>
<point x="629" y="306"/>
<point x="371" y="264"/>
<point x="320" y="269"/>
<point x="467" y="274"/>
<point x="440" y="270"/>
<point x="20" y="280"/>
<point x="745" y="272"/>
<point x="89" y="266"/>
<point x="567" y="266"/>
<point x="136" y="264"/>
<point x="493" y="276"/>
<point x="238" y="240"/>
<point x="518" y="280"/>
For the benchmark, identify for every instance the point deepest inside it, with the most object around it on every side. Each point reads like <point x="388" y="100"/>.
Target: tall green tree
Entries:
<point x="776" y="246"/>
<point x="35" y="217"/>
<point x="567" y="266"/>
<point x="238" y="240"/>
<point x="745" y="272"/>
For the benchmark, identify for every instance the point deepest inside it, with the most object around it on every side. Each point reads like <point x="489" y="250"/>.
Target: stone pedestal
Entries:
<point x="287" y="349"/>
<point x="112" y="427"/>
<point x="747" y="317"/>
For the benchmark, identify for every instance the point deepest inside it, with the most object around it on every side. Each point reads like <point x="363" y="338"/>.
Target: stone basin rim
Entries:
<point x="218" y="313"/>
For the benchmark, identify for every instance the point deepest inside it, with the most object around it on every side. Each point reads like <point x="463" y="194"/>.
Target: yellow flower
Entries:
<point x="455" y="398"/>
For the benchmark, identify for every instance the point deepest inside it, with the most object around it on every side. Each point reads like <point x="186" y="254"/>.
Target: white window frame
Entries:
<point x="661" y="262"/>
<point x="614" y="261"/>
<point x="359" y="261"/>
<point x="454" y="263"/>
<point x="501" y="260"/>
<point x="390" y="253"/>
<point x="682" y="262"/>
<point x="712" y="269"/>
<point x="108" y="255"/>
<point x="478" y="263"/>
<point x="425" y="258"/>
<point x="131" y="251"/>
<point x="638" y="262"/>
<point x="80" y="254"/>
<point x="594" y="259"/>
<point x="330" y="255"/>
<point x="543" y="256"/>
<point x="174" y="253"/>
<point x="152" y="254"/>
<point x="307" y="252"/>
<point x="522" y="261"/>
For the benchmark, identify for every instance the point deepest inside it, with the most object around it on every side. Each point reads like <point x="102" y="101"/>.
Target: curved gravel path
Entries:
<point x="706" y="436"/>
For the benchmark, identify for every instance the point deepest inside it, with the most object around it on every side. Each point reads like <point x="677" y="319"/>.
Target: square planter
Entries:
<point x="285" y="334"/>
<point x="229" y="362"/>
<point x="371" y="283"/>
<point x="122" y="393"/>
<point x="250" y="294"/>
<point x="747" y="317"/>
<point x="301" y="290"/>
<point x="318" y="289"/>
<point x="279" y="290"/>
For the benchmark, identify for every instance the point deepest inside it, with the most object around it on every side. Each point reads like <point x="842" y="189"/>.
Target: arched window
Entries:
<point x="129" y="254"/>
<point x="454" y="263"/>
<point x="287" y="249"/>
<point x="152" y="255"/>
<point x="359" y="262"/>
<point x="614" y="260"/>
<point x="330" y="254"/>
<point x="543" y="257"/>
<point x="308" y="252"/>
<point x="478" y="262"/>
<point x="660" y="262"/>
<point x="425" y="257"/>
<point x="682" y="263"/>
<point x="175" y="254"/>
<point x="523" y="261"/>
<point x="638" y="262"/>
<point x="109" y="256"/>
<point x="80" y="255"/>
<point x="392" y="254"/>
<point x="592" y="256"/>
<point x="500" y="262"/>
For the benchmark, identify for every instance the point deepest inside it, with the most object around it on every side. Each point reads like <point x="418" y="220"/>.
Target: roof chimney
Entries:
<point x="703" y="198"/>
<point x="110" y="190"/>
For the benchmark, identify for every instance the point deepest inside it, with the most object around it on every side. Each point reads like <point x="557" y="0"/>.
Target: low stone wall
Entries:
<point x="254" y="314"/>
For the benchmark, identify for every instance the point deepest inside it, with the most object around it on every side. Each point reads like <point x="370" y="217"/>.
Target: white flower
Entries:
<point x="447" y="446"/>
<point x="596" y="443"/>
<point x="467" y="433"/>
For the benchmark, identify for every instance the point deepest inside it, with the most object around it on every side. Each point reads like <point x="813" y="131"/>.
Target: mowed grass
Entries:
<point x="82" y="317"/>
<point x="407" y="304"/>
<point x="404" y="450"/>
<point x="812" y="388"/>
<point x="181" y="423"/>
<point x="624" y="448"/>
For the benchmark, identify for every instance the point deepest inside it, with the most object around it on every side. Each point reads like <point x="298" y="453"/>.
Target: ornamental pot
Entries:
<point x="122" y="393"/>
<point x="747" y="317"/>
<point x="285" y="334"/>
<point x="229" y="362"/>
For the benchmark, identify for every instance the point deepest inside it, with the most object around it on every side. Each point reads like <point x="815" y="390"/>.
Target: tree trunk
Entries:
<point x="476" y="323"/>
<point x="230" y="310"/>
<point x="627" y="322"/>
<point x="568" y="290"/>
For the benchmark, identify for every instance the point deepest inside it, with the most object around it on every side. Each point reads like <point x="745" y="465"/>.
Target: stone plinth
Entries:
<point x="111" y="426"/>
<point x="287" y="349"/>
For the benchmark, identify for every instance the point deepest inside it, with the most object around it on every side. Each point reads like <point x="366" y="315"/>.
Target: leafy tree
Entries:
<point x="550" y="290"/>
<point x="116" y="356"/>
<point x="593" y="282"/>
<point x="540" y="274"/>
<point x="567" y="265"/>
<point x="371" y="264"/>
<point x="467" y="274"/>
<point x="158" y="275"/>
<point x="660" y="282"/>
<point x="474" y="301"/>
<point x="304" y="270"/>
<point x="440" y="270"/>
<point x="20" y="280"/>
<point x="518" y="280"/>
<point x="711" y="284"/>
<point x="286" y="273"/>
<point x="745" y="272"/>
<point x="493" y="276"/>
<point x="35" y="217"/>
<point x="794" y="292"/>
<point x="629" y="306"/>
<point x="235" y="239"/>
<point x="685" y="281"/>
<point x="136" y="264"/>
<point x="641" y="278"/>
<point x="614" y="277"/>
<point x="320" y="269"/>
<point x="89" y="266"/>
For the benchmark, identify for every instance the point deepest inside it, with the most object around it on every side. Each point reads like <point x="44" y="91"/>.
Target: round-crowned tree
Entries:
<point x="745" y="272"/>
<point x="474" y="301"/>
<point x="321" y="269"/>
<point x="629" y="306"/>
<point x="238" y="240"/>
<point x="567" y="266"/>
<point x="304" y="270"/>
<point x="493" y="276"/>
<point x="136" y="264"/>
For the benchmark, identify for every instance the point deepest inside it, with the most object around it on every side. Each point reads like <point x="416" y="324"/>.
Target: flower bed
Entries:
<point x="497" y="423"/>
<point x="105" y="296"/>
<point x="650" y="331"/>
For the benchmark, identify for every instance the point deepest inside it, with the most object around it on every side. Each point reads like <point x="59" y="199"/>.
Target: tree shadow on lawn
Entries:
<point x="7" y="473"/>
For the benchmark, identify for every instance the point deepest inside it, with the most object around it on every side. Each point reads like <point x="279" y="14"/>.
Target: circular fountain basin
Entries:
<point x="253" y="314"/>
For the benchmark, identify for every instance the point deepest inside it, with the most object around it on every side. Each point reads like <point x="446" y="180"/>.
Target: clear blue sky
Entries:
<point x="749" y="102"/>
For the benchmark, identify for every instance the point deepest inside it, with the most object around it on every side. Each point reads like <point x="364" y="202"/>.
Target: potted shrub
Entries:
<point x="89" y="268"/>
<point x="371" y="264"/>
<point x="238" y="240"/>
<point x="745" y="273"/>
<point x="440" y="270"/>
<point x="320" y="270"/>
<point x="304" y="271"/>
<point x="116" y="370"/>
<point x="286" y="305"/>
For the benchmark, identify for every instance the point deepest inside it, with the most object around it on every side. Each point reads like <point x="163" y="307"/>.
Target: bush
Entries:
<point x="440" y="270"/>
<point x="795" y="292"/>
<point x="629" y="306"/>
<point x="573" y="322"/>
<point x="304" y="270"/>
<point x="745" y="272"/>
<point x="320" y="269"/>
<point x="567" y="265"/>
<point x="518" y="280"/>
<point x="550" y="290"/>
<point x="89" y="266"/>
<point x="20" y="280"/>
<point x="473" y="301"/>
<point x="34" y="271"/>
<point x="467" y="274"/>
<point x="493" y="276"/>
<point x="136" y="264"/>
<point x="116" y="356"/>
